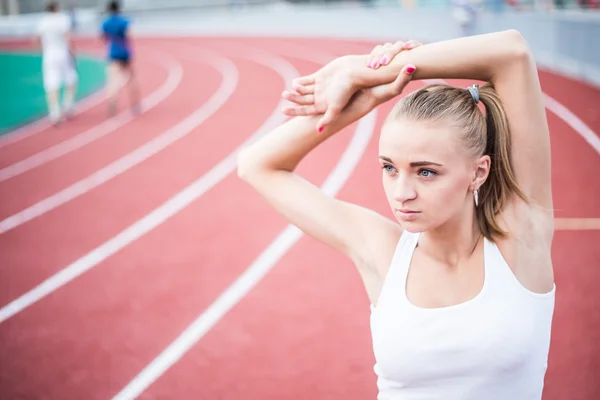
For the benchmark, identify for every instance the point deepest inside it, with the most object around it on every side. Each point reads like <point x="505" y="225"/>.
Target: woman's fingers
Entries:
<point x="301" y="99"/>
<point x="296" y="111"/>
<point x="375" y="56"/>
<point x="304" y="81"/>
<point x="308" y="89"/>
<point x="384" y="54"/>
<point x="390" y="90"/>
<point x="391" y="52"/>
<point x="411" y="44"/>
<point x="330" y="115"/>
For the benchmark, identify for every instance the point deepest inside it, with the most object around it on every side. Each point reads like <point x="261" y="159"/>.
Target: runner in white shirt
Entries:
<point x="58" y="63"/>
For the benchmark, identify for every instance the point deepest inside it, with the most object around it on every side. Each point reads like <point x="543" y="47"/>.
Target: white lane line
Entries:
<point x="128" y="161"/>
<point x="98" y="131"/>
<point x="265" y="261"/>
<point x="576" y="224"/>
<point x="41" y="124"/>
<point x="250" y="278"/>
<point x="158" y="215"/>
<point x="573" y="121"/>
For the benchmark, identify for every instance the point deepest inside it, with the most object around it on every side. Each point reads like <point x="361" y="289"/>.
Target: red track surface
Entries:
<point x="303" y="331"/>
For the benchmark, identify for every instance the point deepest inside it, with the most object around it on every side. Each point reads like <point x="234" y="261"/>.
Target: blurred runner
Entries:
<point x="115" y="31"/>
<point x="58" y="61"/>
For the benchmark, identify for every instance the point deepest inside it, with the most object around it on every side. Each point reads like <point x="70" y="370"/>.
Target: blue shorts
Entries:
<point x="123" y="59"/>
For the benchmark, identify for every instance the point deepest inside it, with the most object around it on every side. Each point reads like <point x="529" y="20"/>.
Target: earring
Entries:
<point x="476" y="197"/>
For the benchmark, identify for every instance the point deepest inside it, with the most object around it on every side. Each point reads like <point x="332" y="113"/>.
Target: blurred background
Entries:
<point x="113" y="192"/>
<point x="562" y="33"/>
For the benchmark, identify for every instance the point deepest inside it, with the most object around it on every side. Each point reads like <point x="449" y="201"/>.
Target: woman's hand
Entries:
<point x="326" y="91"/>
<point x="365" y="100"/>
<point x="329" y="90"/>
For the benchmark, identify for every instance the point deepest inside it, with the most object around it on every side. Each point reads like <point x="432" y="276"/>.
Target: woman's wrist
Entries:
<point x="363" y="77"/>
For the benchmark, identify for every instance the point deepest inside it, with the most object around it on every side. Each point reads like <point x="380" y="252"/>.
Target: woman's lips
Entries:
<point x="407" y="215"/>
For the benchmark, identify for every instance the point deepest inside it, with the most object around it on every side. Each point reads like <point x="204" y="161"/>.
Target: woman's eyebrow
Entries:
<point x="414" y="163"/>
<point x="424" y="163"/>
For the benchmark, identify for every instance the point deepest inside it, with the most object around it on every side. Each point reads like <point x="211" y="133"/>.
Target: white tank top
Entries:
<point x="493" y="347"/>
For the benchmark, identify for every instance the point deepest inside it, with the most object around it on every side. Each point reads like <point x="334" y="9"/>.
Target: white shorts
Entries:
<point x="58" y="70"/>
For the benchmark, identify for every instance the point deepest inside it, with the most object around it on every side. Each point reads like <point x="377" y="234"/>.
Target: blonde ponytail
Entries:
<point x="501" y="182"/>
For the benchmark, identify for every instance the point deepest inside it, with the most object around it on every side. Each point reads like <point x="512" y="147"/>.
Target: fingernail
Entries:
<point x="320" y="129"/>
<point x="383" y="61"/>
<point x="408" y="45"/>
<point x="373" y="64"/>
<point x="410" y="69"/>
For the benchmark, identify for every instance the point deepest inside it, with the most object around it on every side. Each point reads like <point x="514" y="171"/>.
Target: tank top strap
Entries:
<point x="499" y="275"/>
<point x="394" y="281"/>
<point x="494" y="264"/>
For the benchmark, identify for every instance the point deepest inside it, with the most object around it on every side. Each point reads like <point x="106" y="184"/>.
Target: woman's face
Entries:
<point x="428" y="175"/>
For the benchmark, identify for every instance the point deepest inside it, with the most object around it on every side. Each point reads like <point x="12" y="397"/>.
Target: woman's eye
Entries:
<point x="388" y="168"/>
<point x="427" y="173"/>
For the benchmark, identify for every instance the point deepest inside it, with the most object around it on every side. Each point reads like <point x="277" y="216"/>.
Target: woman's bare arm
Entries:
<point x="502" y="58"/>
<point x="268" y="166"/>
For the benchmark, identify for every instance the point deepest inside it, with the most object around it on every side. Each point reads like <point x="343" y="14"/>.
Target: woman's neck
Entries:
<point x="455" y="240"/>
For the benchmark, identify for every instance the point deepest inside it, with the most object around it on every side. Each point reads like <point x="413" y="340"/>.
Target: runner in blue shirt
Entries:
<point x="115" y="32"/>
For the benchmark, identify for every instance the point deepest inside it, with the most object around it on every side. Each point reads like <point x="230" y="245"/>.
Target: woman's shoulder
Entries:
<point x="388" y="246"/>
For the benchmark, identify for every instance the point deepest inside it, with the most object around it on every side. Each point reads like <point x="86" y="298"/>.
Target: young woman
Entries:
<point x="115" y="33"/>
<point x="461" y="285"/>
<point x="58" y="61"/>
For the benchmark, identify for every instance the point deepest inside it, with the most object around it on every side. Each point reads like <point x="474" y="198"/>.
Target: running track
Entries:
<point x="150" y="245"/>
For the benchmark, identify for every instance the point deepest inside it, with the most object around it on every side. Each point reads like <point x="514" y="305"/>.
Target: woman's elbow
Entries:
<point x="243" y="165"/>
<point x="519" y="49"/>
<point x="249" y="166"/>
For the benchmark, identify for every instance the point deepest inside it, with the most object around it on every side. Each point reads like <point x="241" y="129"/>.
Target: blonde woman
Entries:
<point x="461" y="284"/>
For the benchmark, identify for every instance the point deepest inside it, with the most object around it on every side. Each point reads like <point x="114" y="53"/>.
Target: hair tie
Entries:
<point x="474" y="90"/>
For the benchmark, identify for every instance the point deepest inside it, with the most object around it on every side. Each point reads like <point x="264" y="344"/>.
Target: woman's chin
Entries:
<point x="412" y="226"/>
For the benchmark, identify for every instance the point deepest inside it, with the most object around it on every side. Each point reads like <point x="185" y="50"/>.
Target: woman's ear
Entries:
<point x="482" y="171"/>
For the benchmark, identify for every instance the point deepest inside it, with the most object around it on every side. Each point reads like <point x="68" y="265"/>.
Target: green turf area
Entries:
<point x="23" y="98"/>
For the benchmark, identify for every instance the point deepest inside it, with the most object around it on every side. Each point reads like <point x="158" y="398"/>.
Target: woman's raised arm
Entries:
<point x="268" y="166"/>
<point x="502" y="58"/>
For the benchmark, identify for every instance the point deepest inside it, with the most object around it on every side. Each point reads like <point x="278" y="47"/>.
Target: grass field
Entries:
<point x="21" y="79"/>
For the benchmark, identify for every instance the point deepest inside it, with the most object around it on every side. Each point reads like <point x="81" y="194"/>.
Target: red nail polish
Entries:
<point x="410" y="70"/>
<point x="320" y="129"/>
